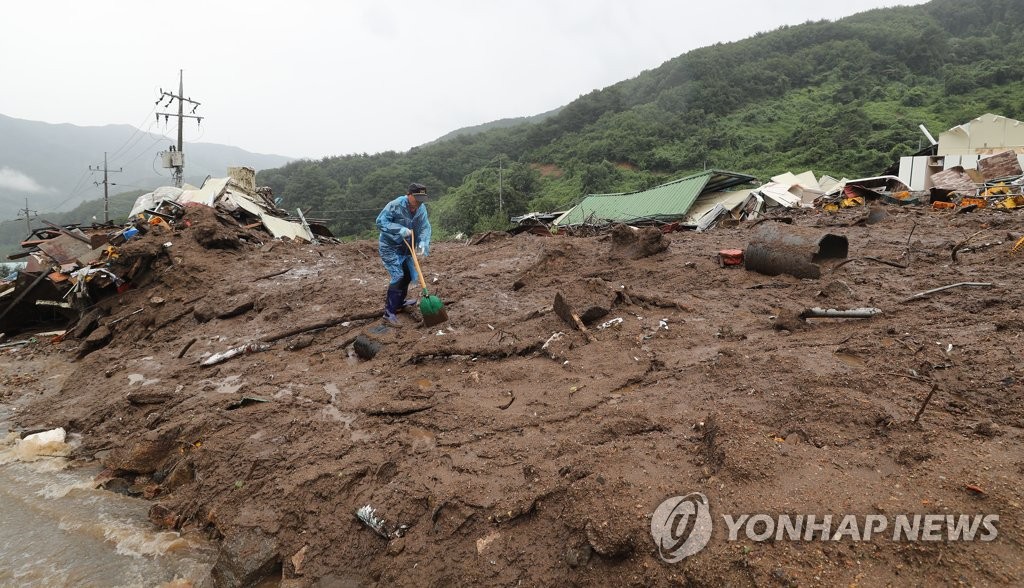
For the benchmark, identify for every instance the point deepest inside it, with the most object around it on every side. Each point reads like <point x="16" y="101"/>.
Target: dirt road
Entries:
<point x="516" y="455"/>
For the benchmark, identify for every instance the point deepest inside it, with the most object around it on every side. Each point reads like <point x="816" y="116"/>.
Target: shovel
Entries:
<point x="430" y="306"/>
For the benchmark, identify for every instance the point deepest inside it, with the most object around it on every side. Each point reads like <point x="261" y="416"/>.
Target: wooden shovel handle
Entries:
<point x="415" y="261"/>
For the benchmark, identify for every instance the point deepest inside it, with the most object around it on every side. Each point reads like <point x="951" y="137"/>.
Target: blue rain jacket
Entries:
<point x="393" y="251"/>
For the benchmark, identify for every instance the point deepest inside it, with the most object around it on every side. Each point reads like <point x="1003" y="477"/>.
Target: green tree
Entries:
<point x="311" y="187"/>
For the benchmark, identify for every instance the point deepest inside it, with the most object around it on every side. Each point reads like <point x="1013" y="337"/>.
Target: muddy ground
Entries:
<point x="516" y="463"/>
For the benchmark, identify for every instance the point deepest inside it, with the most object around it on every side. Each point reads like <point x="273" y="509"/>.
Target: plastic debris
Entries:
<point x="730" y="257"/>
<point x="368" y="515"/>
<point x="240" y="350"/>
<point x="552" y="338"/>
<point x="612" y="323"/>
<point x="50" y="443"/>
<point x="18" y="343"/>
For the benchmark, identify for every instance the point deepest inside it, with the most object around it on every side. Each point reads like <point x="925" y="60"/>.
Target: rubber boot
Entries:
<point x="408" y="303"/>
<point x="392" y="304"/>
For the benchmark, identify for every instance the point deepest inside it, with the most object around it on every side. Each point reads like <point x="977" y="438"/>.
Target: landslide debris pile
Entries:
<point x="578" y="384"/>
<point x="70" y="270"/>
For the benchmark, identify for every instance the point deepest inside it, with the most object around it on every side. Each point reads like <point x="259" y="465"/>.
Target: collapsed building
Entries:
<point x="978" y="163"/>
<point x="68" y="269"/>
<point x="700" y="201"/>
<point x="965" y="147"/>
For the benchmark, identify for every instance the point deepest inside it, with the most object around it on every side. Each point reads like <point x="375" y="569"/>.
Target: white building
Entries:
<point x="963" y="145"/>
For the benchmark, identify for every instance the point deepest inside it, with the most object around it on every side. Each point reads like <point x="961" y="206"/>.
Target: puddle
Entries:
<point x="230" y="384"/>
<point x="331" y="412"/>
<point x="347" y="418"/>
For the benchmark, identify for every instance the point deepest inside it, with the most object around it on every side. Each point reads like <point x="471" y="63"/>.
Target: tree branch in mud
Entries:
<point x="907" y="376"/>
<point x="874" y="259"/>
<point x="399" y="408"/>
<point x="272" y="274"/>
<point x="457" y="354"/>
<point x="173" y="319"/>
<point x="186" y="347"/>
<point x="321" y="325"/>
<point x="962" y="244"/>
<point x="927" y="293"/>
<point x="924" y="404"/>
<point x="628" y="296"/>
<point x="566" y="313"/>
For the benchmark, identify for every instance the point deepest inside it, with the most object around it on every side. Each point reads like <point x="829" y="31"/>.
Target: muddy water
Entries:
<point x="56" y="530"/>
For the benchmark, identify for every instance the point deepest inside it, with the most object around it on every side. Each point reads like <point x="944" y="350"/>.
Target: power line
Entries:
<point x="74" y="191"/>
<point x="141" y="136"/>
<point x="146" y="149"/>
<point x="136" y="130"/>
<point x="80" y="185"/>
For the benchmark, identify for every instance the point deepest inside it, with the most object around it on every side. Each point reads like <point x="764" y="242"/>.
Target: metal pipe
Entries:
<point x="817" y="312"/>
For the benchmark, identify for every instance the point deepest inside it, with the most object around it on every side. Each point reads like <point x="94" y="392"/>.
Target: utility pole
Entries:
<point x="106" y="186"/>
<point x="29" y="215"/>
<point x="176" y="159"/>
<point x="500" y="198"/>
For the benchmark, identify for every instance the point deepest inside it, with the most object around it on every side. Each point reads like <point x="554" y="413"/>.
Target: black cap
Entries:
<point x="415" y="188"/>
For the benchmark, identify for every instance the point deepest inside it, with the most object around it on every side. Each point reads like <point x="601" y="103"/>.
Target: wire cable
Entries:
<point x="136" y="130"/>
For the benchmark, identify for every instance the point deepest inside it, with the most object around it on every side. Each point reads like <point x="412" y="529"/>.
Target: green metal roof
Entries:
<point x="667" y="202"/>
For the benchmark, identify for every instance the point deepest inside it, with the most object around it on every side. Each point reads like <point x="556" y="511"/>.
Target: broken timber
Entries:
<point x="565" y="312"/>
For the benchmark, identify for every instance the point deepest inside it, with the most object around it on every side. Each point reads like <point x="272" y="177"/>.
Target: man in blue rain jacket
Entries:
<point x="401" y="219"/>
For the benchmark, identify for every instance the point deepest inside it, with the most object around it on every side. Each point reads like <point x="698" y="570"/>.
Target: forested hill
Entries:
<point x="497" y="124"/>
<point x="843" y="98"/>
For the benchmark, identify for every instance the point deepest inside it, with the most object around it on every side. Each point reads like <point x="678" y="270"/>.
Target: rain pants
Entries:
<point x="394" y="253"/>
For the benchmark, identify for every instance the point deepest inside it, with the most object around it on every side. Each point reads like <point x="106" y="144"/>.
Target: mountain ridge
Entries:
<point x="48" y="163"/>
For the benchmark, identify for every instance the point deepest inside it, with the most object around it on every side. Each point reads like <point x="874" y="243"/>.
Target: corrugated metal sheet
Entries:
<point x="709" y="200"/>
<point x="208" y="194"/>
<point x="667" y="202"/>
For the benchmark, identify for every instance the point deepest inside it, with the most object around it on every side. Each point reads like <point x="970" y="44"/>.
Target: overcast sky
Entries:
<point x="312" y="78"/>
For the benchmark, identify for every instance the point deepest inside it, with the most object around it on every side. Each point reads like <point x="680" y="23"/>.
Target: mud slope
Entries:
<point x="515" y="457"/>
